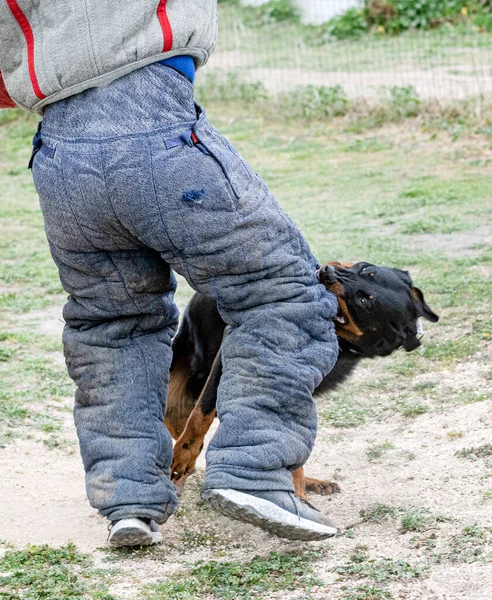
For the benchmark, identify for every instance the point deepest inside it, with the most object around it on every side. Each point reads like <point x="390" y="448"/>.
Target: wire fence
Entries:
<point x="448" y="60"/>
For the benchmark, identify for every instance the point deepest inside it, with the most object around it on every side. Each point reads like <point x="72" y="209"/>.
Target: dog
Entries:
<point x="379" y="311"/>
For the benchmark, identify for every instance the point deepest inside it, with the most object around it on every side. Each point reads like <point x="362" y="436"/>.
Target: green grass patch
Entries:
<point x="484" y="451"/>
<point x="366" y="592"/>
<point x="416" y="519"/>
<point x="379" y="513"/>
<point x="29" y="379"/>
<point x="45" y="573"/>
<point x="362" y="566"/>
<point x="377" y="450"/>
<point x="473" y="544"/>
<point x="239" y="581"/>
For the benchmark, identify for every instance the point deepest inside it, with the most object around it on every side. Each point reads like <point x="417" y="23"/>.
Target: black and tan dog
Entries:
<point x="379" y="312"/>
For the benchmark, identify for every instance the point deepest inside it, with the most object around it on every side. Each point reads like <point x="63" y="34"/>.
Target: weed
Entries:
<point x="428" y="542"/>
<point x="483" y="451"/>
<point x="229" y="87"/>
<point x="366" y="592"/>
<point x="404" y="101"/>
<point x="474" y="544"/>
<point x="454" y="435"/>
<point x="239" y="581"/>
<point x="273" y="11"/>
<point x="43" y="572"/>
<point x="345" y="413"/>
<point x="409" y="408"/>
<point x="313" y="102"/>
<point x="383" y="569"/>
<point x="376" y="450"/>
<point x="349" y="25"/>
<point x="487" y="496"/>
<point x="379" y="513"/>
<point x="416" y="519"/>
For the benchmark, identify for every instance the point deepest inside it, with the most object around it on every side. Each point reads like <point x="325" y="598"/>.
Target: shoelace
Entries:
<point x="293" y="497"/>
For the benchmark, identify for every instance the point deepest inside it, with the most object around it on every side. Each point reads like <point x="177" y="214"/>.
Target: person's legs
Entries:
<point x="192" y="201"/>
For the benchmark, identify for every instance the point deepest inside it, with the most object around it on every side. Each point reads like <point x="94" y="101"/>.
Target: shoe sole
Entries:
<point x="266" y="515"/>
<point x="133" y="536"/>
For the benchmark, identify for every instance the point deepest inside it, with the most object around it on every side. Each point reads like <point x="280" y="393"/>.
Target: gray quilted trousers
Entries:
<point x="134" y="183"/>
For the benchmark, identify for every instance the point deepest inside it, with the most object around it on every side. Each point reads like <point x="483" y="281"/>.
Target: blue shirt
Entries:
<point x="184" y="64"/>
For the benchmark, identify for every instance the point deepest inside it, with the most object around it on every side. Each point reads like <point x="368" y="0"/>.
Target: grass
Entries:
<point x="379" y="513"/>
<point x="472" y="544"/>
<point x="366" y="592"/>
<point x="360" y="566"/>
<point x="45" y="573"/>
<point x="377" y="450"/>
<point x="416" y="519"/>
<point x="271" y="46"/>
<point x="239" y="581"/>
<point x="484" y="451"/>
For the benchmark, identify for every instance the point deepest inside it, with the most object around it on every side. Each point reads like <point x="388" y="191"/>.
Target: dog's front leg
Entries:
<point x="190" y="442"/>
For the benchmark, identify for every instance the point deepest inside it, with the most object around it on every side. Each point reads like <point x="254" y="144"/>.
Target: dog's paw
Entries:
<point x="322" y="487"/>
<point x="185" y="455"/>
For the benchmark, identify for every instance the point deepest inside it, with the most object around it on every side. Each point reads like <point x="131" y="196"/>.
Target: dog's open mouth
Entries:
<point x="339" y="317"/>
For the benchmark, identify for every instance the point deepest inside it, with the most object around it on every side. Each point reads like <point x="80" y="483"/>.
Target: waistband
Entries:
<point x="145" y="100"/>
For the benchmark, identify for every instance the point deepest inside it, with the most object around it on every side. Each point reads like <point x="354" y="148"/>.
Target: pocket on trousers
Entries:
<point x="236" y="171"/>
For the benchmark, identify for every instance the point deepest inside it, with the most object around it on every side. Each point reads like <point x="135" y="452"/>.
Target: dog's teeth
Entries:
<point x="340" y="319"/>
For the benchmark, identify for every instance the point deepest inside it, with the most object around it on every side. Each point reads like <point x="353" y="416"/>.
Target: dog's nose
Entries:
<point x="327" y="275"/>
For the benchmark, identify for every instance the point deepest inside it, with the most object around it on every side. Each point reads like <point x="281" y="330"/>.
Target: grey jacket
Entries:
<point x="52" y="49"/>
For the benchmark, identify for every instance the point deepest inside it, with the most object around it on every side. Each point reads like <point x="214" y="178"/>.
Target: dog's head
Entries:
<point x="379" y="308"/>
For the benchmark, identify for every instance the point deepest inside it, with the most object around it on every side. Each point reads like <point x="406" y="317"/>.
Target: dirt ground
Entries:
<point x="42" y="496"/>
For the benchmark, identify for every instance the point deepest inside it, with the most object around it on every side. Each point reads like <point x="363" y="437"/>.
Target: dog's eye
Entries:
<point x="364" y="301"/>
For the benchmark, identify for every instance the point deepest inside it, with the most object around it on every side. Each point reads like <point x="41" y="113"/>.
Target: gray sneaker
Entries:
<point x="279" y="512"/>
<point x="134" y="532"/>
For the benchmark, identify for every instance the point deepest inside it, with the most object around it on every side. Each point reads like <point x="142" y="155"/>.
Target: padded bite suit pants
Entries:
<point x="134" y="183"/>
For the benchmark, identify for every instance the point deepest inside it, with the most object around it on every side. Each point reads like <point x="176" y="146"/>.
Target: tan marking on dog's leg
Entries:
<point x="179" y="404"/>
<point x="190" y="442"/>
<point x="298" y="479"/>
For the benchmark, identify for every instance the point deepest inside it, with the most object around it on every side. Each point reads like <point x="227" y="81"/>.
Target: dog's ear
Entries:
<point x="422" y="307"/>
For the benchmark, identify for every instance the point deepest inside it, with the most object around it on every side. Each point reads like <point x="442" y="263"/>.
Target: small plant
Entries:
<point x="273" y="11"/>
<point x="487" y="496"/>
<point x="483" y="451"/>
<point x="474" y="544"/>
<point x="351" y="24"/>
<point x="383" y="569"/>
<point x="314" y="102"/>
<point x="229" y="87"/>
<point x="404" y="101"/>
<point x="427" y="542"/>
<point x="366" y="592"/>
<point x="379" y="513"/>
<point x="376" y="450"/>
<point x="412" y="409"/>
<point x="416" y="519"/>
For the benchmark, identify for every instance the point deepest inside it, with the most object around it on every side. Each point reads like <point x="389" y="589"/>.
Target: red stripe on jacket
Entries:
<point x="167" y="32"/>
<point x="24" y="24"/>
